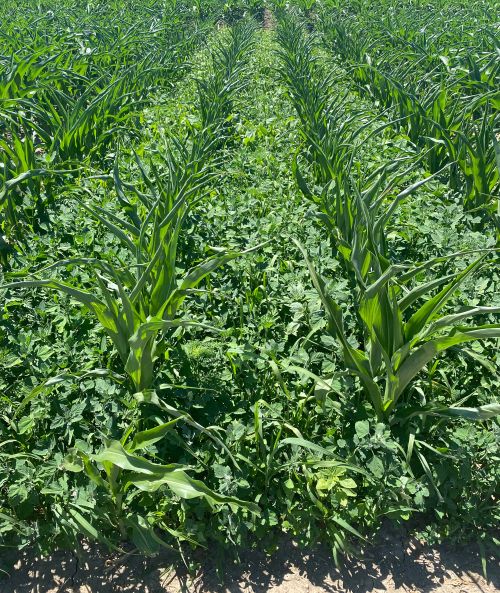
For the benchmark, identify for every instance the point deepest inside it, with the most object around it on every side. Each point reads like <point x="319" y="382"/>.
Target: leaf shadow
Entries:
<point x="394" y="563"/>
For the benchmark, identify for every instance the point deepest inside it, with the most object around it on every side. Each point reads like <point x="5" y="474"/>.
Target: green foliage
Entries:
<point x="158" y="390"/>
<point x="65" y="101"/>
<point x="441" y="91"/>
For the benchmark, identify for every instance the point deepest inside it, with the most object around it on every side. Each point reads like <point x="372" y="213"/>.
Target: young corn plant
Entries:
<point x="354" y="207"/>
<point x="397" y="345"/>
<point x="312" y="101"/>
<point x="18" y="171"/>
<point x="330" y="133"/>
<point x="478" y="160"/>
<point x="228" y="78"/>
<point x="137" y="299"/>
<point x="401" y="335"/>
<point x="432" y="102"/>
<point x="123" y="476"/>
<point x="64" y="97"/>
<point x="137" y="303"/>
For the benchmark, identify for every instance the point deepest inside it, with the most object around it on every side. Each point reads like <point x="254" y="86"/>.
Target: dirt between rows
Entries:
<point x="395" y="564"/>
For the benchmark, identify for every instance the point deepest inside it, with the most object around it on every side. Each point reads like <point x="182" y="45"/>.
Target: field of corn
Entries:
<point x="249" y="273"/>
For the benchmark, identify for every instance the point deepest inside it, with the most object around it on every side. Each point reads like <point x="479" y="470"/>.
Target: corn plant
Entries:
<point x="137" y="299"/>
<point x="138" y="303"/>
<point x="355" y="207"/>
<point x="356" y="213"/>
<point x="218" y="90"/>
<point x="135" y="305"/>
<point x="311" y="98"/>
<point x="330" y="133"/>
<point x="431" y="100"/>
<point x="478" y="161"/>
<point x="397" y="345"/>
<point x="65" y="96"/>
<point x="128" y="474"/>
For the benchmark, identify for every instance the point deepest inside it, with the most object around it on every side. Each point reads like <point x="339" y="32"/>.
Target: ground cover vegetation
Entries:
<point x="249" y="274"/>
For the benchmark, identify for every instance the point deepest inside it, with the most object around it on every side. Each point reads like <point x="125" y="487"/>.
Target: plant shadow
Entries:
<point x="395" y="563"/>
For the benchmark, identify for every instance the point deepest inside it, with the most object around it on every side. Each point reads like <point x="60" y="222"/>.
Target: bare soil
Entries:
<point x="396" y="564"/>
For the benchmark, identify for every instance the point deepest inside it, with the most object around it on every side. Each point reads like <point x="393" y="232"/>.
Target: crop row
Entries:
<point x="401" y="327"/>
<point x="440" y="83"/>
<point x="330" y="371"/>
<point x="136" y="304"/>
<point x="73" y="83"/>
